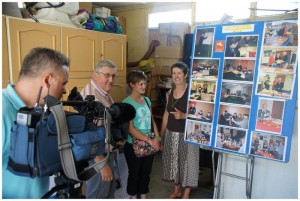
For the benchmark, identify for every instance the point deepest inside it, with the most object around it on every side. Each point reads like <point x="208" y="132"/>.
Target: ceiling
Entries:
<point x="118" y="5"/>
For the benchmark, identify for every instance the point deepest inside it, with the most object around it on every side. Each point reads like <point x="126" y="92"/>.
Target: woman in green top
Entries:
<point x="140" y="126"/>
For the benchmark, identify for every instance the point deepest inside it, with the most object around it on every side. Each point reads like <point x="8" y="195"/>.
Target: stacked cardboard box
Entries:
<point x="170" y="50"/>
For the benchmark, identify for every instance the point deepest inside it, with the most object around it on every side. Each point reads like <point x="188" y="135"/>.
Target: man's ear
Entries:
<point x="47" y="80"/>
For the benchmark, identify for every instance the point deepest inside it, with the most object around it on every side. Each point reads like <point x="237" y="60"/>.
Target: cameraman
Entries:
<point x="42" y="67"/>
<point x="100" y="85"/>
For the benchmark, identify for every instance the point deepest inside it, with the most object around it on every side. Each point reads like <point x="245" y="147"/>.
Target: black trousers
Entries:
<point x="139" y="170"/>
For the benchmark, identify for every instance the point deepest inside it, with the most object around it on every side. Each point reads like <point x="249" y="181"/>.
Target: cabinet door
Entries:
<point x="113" y="47"/>
<point x="81" y="46"/>
<point x="25" y="35"/>
<point x="5" y="64"/>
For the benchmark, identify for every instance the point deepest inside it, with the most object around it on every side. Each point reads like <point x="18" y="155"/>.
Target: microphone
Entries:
<point x="74" y="95"/>
<point x="122" y="112"/>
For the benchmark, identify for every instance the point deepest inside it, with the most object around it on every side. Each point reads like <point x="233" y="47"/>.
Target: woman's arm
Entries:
<point x="165" y="116"/>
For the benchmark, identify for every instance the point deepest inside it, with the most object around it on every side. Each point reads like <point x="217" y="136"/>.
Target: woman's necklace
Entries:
<point x="178" y="96"/>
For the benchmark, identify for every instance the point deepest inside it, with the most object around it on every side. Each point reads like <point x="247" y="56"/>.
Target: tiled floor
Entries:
<point x="159" y="189"/>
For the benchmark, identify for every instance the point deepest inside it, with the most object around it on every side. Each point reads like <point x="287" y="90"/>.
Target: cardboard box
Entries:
<point x="180" y="29"/>
<point x="163" y="40"/>
<point x="163" y="65"/>
<point x="169" y="52"/>
<point x="164" y="28"/>
<point x="175" y="40"/>
<point x="174" y="28"/>
<point x="169" y="40"/>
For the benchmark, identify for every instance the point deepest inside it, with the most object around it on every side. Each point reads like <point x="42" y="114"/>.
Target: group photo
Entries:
<point x="275" y="84"/>
<point x="240" y="70"/>
<point x="236" y="93"/>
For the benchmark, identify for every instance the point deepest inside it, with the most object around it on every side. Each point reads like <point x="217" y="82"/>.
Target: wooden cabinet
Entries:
<point x="25" y="35"/>
<point x="113" y="47"/>
<point x="5" y="63"/>
<point x="81" y="46"/>
<point x="85" y="49"/>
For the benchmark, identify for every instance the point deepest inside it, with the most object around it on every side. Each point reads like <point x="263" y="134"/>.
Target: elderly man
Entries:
<point x="103" y="185"/>
<point x="45" y="68"/>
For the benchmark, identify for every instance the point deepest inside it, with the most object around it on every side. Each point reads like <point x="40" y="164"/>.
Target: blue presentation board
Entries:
<point x="243" y="88"/>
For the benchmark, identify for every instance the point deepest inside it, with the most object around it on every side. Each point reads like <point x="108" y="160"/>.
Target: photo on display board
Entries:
<point x="268" y="146"/>
<point x="204" y="42"/>
<point x="236" y="93"/>
<point x="200" y="111"/>
<point x="203" y="90"/>
<point x="241" y="46"/>
<point x="205" y="69"/>
<point x="279" y="59"/>
<point x="231" y="139"/>
<point x="234" y="116"/>
<point x="198" y="132"/>
<point x="270" y="115"/>
<point x="281" y="33"/>
<point x="275" y="84"/>
<point x="239" y="69"/>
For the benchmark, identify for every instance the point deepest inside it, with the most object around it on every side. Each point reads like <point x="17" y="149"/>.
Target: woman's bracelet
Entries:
<point x="158" y="137"/>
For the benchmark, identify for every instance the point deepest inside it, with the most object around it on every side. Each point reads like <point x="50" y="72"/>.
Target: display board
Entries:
<point x="243" y="88"/>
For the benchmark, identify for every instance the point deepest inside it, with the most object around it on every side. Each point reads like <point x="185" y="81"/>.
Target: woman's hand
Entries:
<point x="154" y="143"/>
<point x="178" y="114"/>
<point x="161" y="146"/>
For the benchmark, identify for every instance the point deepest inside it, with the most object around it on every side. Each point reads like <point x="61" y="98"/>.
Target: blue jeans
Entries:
<point x="97" y="188"/>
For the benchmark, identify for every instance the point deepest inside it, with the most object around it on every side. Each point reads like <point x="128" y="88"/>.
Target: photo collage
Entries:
<point x="275" y="84"/>
<point x="203" y="86"/>
<point x="239" y="88"/>
<point x="236" y="92"/>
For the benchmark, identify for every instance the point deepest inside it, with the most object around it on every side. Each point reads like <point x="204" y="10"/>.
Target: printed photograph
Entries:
<point x="268" y="146"/>
<point x="203" y="90"/>
<point x="204" y="42"/>
<point x="241" y="46"/>
<point x="270" y="115"/>
<point x="198" y="132"/>
<point x="281" y="33"/>
<point x="236" y="93"/>
<point x="200" y="111"/>
<point x="205" y="69"/>
<point x="237" y="69"/>
<point x="231" y="139"/>
<point x="279" y="59"/>
<point x="275" y="84"/>
<point x="234" y="116"/>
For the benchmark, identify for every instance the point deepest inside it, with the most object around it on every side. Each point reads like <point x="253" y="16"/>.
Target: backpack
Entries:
<point x="109" y="24"/>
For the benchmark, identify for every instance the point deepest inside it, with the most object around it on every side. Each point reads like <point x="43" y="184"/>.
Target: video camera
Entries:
<point x="50" y="141"/>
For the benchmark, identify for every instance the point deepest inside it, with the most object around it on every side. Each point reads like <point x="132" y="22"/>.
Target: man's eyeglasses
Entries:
<point x="107" y="75"/>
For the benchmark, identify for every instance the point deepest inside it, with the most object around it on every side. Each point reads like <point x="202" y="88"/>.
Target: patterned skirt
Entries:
<point x="180" y="160"/>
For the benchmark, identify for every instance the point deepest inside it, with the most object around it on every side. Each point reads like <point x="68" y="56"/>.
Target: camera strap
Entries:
<point x="65" y="147"/>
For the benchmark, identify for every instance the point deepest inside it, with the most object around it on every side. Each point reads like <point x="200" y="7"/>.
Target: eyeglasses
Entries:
<point x="107" y="75"/>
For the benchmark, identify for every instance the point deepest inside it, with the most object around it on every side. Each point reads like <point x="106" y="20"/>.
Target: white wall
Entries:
<point x="271" y="179"/>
